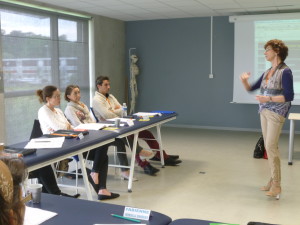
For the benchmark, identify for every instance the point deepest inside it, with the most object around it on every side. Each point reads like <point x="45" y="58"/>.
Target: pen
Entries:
<point x="125" y="218"/>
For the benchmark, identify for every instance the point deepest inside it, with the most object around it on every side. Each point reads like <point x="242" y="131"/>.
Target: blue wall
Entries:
<point x="174" y="62"/>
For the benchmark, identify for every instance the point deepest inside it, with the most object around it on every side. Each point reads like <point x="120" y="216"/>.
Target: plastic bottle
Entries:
<point x="124" y="110"/>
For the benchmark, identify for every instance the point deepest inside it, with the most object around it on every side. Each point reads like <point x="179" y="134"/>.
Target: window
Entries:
<point x="39" y="49"/>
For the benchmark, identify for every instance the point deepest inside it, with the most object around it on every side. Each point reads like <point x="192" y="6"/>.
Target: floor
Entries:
<point x="218" y="180"/>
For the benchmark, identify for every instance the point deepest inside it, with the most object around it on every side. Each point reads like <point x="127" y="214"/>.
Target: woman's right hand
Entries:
<point x="245" y="76"/>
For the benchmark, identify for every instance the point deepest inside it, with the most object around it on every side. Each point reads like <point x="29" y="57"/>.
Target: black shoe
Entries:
<point x="106" y="197"/>
<point x="150" y="170"/>
<point x="174" y="156"/>
<point x="70" y="196"/>
<point x="172" y="162"/>
<point x="95" y="186"/>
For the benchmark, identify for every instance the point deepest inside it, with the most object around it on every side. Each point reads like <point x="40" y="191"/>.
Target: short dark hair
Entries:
<point x="279" y="47"/>
<point x="69" y="90"/>
<point x="100" y="80"/>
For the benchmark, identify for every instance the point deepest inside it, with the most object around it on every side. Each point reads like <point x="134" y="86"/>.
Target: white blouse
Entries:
<point x="51" y="121"/>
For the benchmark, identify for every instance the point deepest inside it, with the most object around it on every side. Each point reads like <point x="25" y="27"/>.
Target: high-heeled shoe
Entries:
<point x="107" y="197"/>
<point x="268" y="186"/>
<point x="275" y="190"/>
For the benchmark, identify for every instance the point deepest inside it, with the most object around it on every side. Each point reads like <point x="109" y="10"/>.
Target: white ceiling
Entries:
<point x="130" y="10"/>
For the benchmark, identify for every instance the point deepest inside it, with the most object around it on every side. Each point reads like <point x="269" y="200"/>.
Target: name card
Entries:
<point x="80" y="136"/>
<point x="130" y="123"/>
<point x="135" y="213"/>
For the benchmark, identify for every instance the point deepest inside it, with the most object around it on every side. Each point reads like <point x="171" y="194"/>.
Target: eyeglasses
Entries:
<point x="27" y="198"/>
<point x="56" y="96"/>
<point x="268" y="49"/>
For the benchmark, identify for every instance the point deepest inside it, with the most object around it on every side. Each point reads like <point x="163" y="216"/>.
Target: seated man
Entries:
<point x="106" y="106"/>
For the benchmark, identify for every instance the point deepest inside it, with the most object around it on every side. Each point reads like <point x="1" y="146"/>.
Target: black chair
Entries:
<point x="36" y="130"/>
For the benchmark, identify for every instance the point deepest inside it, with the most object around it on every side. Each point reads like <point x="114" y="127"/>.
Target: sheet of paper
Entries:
<point x="91" y="126"/>
<point x="45" y="143"/>
<point x="145" y="114"/>
<point x="34" y="216"/>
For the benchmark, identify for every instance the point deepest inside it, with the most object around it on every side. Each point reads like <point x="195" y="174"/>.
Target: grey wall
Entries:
<point x="174" y="60"/>
<point x="109" y="35"/>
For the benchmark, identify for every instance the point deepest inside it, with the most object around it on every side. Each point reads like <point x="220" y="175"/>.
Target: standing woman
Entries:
<point x="276" y="94"/>
<point x="52" y="119"/>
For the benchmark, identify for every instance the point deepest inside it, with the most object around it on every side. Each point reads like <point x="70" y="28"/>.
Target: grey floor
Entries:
<point x="218" y="180"/>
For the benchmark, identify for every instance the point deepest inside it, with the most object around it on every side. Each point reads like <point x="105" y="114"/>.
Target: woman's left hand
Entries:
<point x="262" y="98"/>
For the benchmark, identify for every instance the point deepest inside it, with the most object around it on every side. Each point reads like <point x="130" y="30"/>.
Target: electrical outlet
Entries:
<point x="211" y="76"/>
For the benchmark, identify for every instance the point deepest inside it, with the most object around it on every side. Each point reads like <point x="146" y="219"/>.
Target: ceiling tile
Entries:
<point x="159" y="9"/>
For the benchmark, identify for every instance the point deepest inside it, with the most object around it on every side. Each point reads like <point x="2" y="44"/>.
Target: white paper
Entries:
<point x="34" y="216"/>
<point x="146" y="114"/>
<point x="45" y="142"/>
<point x="91" y="126"/>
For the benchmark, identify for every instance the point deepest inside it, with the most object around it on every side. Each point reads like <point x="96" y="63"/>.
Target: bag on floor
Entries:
<point x="259" y="148"/>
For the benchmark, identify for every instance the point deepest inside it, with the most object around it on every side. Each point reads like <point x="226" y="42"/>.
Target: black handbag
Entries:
<point x="259" y="148"/>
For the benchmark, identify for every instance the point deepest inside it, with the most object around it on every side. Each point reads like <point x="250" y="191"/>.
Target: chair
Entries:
<point x="36" y="130"/>
<point x="93" y="114"/>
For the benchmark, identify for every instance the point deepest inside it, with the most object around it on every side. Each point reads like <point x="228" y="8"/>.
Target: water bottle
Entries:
<point x="124" y="110"/>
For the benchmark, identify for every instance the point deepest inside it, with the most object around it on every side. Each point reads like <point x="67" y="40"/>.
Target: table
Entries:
<point x="78" y="212"/>
<point x="138" y="126"/>
<point x="292" y="117"/>
<point x="71" y="147"/>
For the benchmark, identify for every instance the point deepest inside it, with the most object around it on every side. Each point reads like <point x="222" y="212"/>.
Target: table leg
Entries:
<point x="131" y="172"/>
<point x="162" y="160"/>
<point x="85" y="178"/>
<point x="291" y="141"/>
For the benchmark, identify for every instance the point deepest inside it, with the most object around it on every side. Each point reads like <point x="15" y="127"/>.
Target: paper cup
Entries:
<point x="36" y="191"/>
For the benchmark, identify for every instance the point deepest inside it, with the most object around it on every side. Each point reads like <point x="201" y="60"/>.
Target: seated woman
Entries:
<point x="12" y="175"/>
<point x="77" y="113"/>
<point x="52" y="119"/>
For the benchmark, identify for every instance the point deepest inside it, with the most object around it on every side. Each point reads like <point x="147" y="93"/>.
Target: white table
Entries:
<point x="71" y="147"/>
<point x="157" y="122"/>
<point x="292" y="117"/>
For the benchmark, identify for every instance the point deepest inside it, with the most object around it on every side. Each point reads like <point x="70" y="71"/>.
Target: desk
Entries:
<point x="155" y="121"/>
<point x="79" y="212"/>
<point x="292" y="117"/>
<point x="71" y="147"/>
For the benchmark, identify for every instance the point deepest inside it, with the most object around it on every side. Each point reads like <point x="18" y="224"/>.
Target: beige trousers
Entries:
<point x="271" y="125"/>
